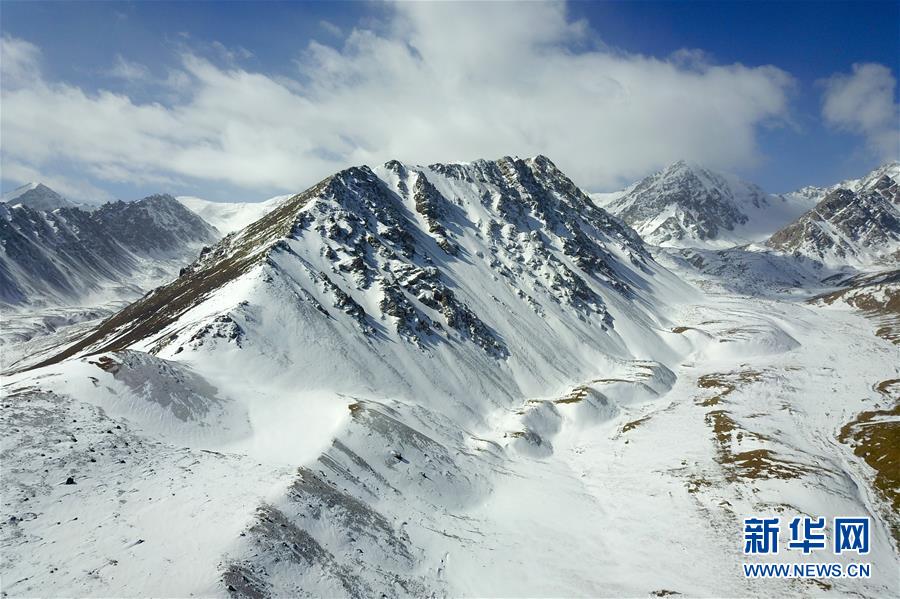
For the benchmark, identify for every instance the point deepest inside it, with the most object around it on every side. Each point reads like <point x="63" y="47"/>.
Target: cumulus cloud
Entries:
<point x="863" y="102"/>
<point x="433" y="82"/>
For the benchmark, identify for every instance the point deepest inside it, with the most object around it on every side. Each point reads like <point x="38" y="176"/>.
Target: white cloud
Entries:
<point x="231" y="55"/>
<point x="331" y="28"/>
<point x="435" y="82"/>
<point x="20" y="61"/>
<point x="863" y="103"/>
<point x="128" y="70"/>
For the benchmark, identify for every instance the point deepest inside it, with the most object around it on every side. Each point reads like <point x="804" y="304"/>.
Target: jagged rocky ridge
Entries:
<point x="848" y="227"/>
<point x="687" y="205"/>
<point x="441" y="258"/>
<point x="62" y="255"/>
<point x="816" y="194"/>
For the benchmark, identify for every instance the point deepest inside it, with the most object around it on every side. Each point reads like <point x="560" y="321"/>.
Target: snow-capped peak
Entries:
<point x="687" y="204"/>
<point x="817" y="193"/>
<point x="468" y="263"/>
<point x="36" y="196"/>
<point x="15" y="193"/>
<point x="857" y="222"/>
<point x="889" y="169"/>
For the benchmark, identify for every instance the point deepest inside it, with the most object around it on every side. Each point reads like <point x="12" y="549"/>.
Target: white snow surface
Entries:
<point x="228" y="217"/>
<point x="602" y="507"/>
<point x="605" y="198"/>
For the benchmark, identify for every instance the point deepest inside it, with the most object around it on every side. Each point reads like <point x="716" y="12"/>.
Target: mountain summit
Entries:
<point x="476" y="265"/>
<point x="857" y="223"/>
<point x="36" y="196"/>
<point x="687" y="205"/>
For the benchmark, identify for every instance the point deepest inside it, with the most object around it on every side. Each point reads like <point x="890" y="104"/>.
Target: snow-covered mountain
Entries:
<point x="67" y="255"/>
<point x="36" y="196"/>
<point x="687" y="205"/>
<point x="471" y="263"/>
<point x="816" y="194"/>
<point x="445" y="380"/>
<point x="394" y="309"/>
<point x="857" y="225"/>
<point x="229" y="217"/>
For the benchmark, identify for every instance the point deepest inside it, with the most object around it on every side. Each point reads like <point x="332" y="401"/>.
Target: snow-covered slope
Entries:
<point x="605" y="198"/>
<point x="877" y="295"/>
<point x="856" y="226"/>
<point x="36" y="196"/>
<point x="687" y="205"/>
<point x="229" y="217"/>
<point x="391" y="310"/>
<point x="752" y="269"/>
<point x="68" y="256"/>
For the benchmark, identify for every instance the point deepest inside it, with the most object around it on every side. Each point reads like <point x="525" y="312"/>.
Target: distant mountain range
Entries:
<point x="853" y="223"/>
<point x="687" y="205"/>
<point x="56" y="253"/>
<point x="856" y="224"/>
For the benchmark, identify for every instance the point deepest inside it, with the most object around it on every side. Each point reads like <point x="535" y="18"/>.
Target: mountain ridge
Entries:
<point x="66" y="254"/>
<point x="857" y="225"/>
<point x="434" y="258"/>
<point x="817" y="193"/>
<point x="37" y="196"/>
<point x="688" y="205"/>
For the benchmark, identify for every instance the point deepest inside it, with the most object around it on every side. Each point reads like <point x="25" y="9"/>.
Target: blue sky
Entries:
<point x="241" y="101"/>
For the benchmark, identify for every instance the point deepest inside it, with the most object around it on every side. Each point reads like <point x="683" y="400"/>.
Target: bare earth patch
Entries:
<point x="875" y="437"/>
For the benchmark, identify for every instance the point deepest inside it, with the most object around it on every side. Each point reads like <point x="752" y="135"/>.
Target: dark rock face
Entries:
<point x="847" y="225"/>
<point x="433" y="207"/>
<point x="155" y="226"/>
<point x="68" y="252"/>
